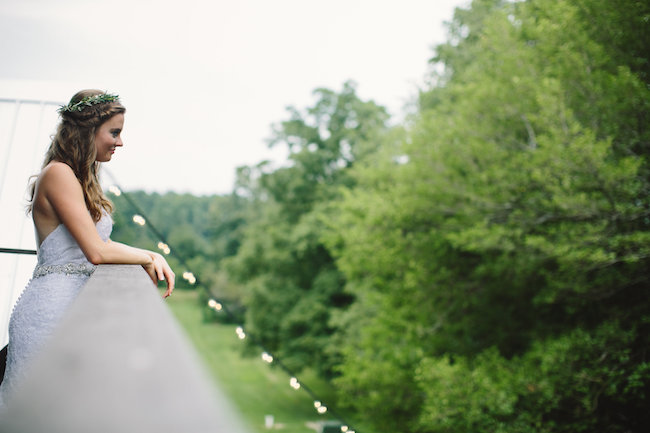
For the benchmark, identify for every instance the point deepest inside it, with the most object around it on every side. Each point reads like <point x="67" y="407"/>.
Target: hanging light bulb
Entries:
<point x="344" y="428"/>
<point x="139" y="219"/>
<point x="294" y="383"/>
<point x="240" y="332"/>
<point x="115" y="190"/>
<point x="189" y="277"/>
<point x="267" y="358"/>
<point x="164" y="247"/>
<point x="215" y="305"/>
<point x="322" y="409"/>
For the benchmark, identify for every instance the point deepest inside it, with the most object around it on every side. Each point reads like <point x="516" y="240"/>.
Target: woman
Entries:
<point x="72" y="221"/>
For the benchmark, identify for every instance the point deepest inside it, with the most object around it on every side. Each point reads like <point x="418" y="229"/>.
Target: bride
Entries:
<point x="72" y="222"/>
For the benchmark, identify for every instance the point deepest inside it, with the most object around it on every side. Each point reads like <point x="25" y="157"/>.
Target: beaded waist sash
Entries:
<point x="67" y="269"/>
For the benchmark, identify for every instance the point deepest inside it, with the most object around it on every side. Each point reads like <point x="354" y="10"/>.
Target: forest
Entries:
<point x="482" y="265"/>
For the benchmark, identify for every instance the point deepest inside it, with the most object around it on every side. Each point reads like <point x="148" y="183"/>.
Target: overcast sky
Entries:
<point x="203" y="81"/>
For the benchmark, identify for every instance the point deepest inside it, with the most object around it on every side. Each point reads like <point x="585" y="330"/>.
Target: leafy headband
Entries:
<point x="88" y="101"/>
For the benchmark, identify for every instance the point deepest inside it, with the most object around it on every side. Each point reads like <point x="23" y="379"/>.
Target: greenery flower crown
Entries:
<point x="88" y="101"/>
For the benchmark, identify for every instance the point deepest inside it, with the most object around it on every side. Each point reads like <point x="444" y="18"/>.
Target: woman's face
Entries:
<point x="107" y="138"/>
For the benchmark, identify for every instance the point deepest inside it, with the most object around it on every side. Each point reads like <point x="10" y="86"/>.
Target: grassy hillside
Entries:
<point x="255" y="387"/>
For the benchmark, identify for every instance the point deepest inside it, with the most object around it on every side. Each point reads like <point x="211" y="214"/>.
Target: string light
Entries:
<point x="139" y="219"/>
<point x="240" y="332"/>
<point x="320" y="408"/>
<point x="294" y="383"/>
<point x="214" y="305"/>
<point x="344" y="428"/>
<point x="115" y="190"/>
<point x="190" y="278"/>
<point x="267" y="358"/>
<point x="164" y="247"/>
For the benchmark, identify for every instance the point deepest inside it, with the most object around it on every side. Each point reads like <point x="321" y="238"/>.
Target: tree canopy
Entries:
<point x="484" y="265"/>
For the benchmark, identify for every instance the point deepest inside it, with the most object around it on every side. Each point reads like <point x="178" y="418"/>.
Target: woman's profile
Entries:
<point x="72" y="224"/>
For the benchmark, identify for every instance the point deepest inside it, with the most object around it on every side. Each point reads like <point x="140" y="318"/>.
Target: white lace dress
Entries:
<point x="61" y="271"/>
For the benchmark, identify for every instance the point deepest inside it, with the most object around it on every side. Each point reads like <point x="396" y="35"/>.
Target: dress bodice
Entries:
<point x="59" y="247"/>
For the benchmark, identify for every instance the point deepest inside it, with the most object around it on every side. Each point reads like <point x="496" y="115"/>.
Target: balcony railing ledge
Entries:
<point x="119" y="362"/>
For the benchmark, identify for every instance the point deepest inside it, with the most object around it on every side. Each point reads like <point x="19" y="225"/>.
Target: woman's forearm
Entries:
<point x="116" y="252"/>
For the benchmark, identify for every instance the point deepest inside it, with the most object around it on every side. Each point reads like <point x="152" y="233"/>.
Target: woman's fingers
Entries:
<point x="165" y="273"/>
<point x="151" y="272"/>
<point x="170" y="281"/>
<point x="159" y="270"/>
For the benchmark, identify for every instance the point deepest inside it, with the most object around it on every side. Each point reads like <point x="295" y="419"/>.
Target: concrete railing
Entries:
<point x="119" y="363"/>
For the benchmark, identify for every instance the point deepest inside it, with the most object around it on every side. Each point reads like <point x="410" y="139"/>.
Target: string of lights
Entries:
<point x="141" y="219"/>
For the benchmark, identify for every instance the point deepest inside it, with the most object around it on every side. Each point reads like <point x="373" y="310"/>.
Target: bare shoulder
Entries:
<point x="57" y="186"/>
<point x="57" y="169"/>
<point x="57" y="174"/>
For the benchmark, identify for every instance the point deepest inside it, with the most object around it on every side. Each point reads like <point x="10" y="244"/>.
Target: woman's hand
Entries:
<point x="159" y="270"/>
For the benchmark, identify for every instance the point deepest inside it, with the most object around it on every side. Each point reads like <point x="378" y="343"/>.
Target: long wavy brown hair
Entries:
<point x="74" y="144"/>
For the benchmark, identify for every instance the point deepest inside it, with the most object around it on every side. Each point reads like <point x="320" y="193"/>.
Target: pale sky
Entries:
<point x="203" y="81"/>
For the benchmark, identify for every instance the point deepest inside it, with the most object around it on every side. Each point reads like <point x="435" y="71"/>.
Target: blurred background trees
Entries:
<point x="482" y="266"/>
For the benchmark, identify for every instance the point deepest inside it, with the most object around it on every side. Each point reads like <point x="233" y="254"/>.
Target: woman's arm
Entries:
<point x="63" y="192"/>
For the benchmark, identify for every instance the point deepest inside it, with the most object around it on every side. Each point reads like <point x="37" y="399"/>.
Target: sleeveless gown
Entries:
<point x="61" y="271"/>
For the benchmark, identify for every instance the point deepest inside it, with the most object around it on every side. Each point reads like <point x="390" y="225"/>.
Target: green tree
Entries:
<point x="291" y="283"/>
<point x="508" y="257"/>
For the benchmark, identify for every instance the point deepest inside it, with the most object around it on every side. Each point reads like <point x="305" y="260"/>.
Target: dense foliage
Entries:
<point x="483" y="267"/>
<point x="504" y="269"/>
<point x="291" y="283"/>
